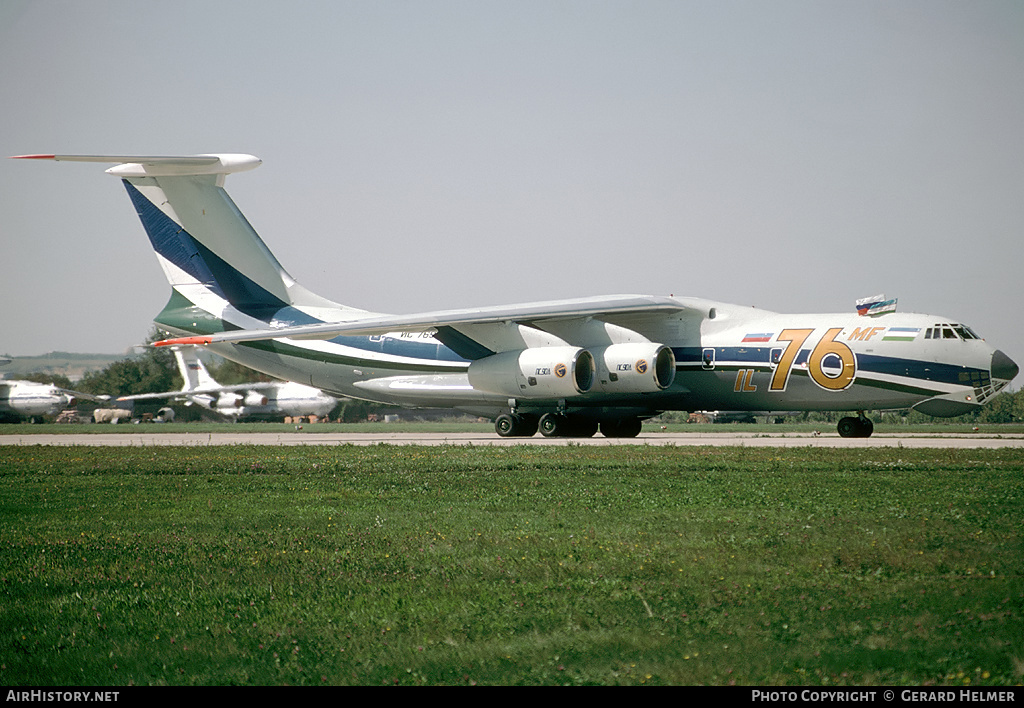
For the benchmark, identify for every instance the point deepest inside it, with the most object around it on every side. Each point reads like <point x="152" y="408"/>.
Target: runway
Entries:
<point x="156" y="439"/>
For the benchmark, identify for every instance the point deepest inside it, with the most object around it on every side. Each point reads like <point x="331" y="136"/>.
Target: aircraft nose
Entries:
<point x="1003" y="367"/>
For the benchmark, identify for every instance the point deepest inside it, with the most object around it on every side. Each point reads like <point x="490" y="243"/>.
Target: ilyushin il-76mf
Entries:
<point x="565" y="367"/>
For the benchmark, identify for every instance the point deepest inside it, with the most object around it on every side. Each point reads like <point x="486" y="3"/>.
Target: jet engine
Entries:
<point x="255" y="398"/>
<point x="229" y="400"/>
<point x="641" y="367"/>
<point x="537" y="372"/>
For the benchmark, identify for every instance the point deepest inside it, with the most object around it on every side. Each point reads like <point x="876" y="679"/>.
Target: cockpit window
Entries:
<point x="950" y="331"/>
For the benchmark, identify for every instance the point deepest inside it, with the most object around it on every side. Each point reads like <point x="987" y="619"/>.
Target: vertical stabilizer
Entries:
<point x="193" y="371"/>
<point x="206" y="247"/>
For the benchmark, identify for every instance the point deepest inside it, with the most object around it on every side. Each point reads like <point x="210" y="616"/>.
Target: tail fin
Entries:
<point x="192" y="369"/>
<point x="210" y="254"/>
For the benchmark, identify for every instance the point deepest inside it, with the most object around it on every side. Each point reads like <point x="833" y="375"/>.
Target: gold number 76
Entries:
<point x="841" y="371"/>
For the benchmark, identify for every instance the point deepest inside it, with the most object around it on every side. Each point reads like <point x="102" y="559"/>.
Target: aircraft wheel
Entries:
<point x="582" y="428"/>
<point x="610" y="428"/>
<point x="630" y="427"/>
<point x="527" y="425"/>
<point x="515" y="426"/>
<point x="552" y="425"/>
<point x="851" y="427"/>
<point x="505" y="425"/>
<point x="847" y="427"/>
<point x="866" y="427"/>
<point x="621" y="428"/>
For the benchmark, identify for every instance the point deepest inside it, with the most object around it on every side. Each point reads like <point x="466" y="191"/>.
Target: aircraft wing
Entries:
<point x="152" y="396"/>
<point x="86" y="396"/>
<point x="207" y="391"/>
<point x="600" y="308"/>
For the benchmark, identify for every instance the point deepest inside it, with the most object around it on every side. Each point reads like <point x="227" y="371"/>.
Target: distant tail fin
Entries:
<point x="210" y="254"/>
<point x="193" y="371"/>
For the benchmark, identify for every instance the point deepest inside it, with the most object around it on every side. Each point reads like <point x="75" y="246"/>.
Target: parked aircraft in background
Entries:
<point x="253" y="400"/>
<point x="566" y="367"/>
<point x="28" y="399"/>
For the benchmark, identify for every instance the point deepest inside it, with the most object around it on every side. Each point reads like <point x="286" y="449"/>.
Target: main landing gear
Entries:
<point x="558" y="425"/>
<point x="859" y="427"/>
<point x="515" y="425"/>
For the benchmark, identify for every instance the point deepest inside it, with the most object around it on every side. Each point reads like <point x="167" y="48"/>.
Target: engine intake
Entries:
<point x="538" y="372"/>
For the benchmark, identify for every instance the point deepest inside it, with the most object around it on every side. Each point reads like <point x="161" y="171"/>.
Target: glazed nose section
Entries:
<point x="1003" y="367"/>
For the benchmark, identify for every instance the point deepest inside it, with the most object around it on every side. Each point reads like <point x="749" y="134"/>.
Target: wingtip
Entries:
<point x="33" y="157"/>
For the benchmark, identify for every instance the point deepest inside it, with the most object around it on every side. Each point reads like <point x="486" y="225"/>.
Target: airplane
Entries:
<point x="28" y="399"/>
<point x="253" y="400"/>
<point x="565" y="367"/>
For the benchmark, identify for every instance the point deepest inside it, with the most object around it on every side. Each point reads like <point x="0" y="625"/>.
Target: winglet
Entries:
<point x="202" y="340"/>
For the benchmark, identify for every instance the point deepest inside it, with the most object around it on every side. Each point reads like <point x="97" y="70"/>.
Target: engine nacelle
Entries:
<point x="254" y="398"/>
<point x="229" y="400"/>
<point x="537" y="372"/>
<point x="641" y="367"/>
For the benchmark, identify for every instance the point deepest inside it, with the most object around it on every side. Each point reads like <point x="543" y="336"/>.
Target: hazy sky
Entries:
<point x="423" y="155"/>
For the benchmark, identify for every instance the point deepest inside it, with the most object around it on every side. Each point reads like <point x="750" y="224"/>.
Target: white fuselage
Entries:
<point x="27" y="399"/>
<point x="737" y="359"/>
<point x="281" y="400"/>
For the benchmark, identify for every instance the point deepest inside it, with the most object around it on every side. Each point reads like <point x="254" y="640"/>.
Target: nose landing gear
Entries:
<point x="859" y="427"/>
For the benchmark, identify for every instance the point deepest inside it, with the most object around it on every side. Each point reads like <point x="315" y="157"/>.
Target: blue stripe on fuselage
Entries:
<point x="924" y="370"/>
<point x="688" y="357"/>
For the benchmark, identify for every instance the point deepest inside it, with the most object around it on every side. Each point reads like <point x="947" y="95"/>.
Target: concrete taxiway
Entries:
<point x="156" y="439"/>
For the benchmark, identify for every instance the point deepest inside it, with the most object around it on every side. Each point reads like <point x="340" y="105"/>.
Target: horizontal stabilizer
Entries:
<point x="161" y="165"/>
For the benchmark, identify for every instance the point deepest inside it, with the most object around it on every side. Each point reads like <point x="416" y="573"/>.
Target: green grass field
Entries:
<point x="618" y="565"/>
